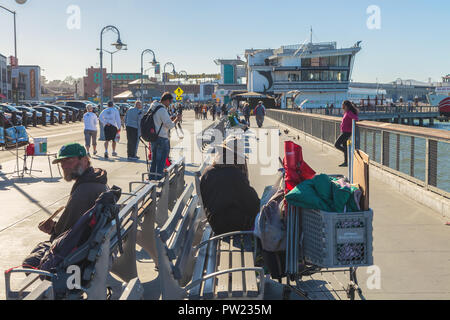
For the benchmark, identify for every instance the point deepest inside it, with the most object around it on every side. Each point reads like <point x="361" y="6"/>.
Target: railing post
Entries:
<point x="60" y="117"/>
<point x="384" y="148"/>
<point x="52" y="120"/>
<point x="397" y="154"/>
<point x="411" y="165"/>
<point x="67" y="116"/>
<point x="431" y="163"/>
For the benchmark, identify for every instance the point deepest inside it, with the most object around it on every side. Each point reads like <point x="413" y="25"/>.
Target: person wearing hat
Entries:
<point x="230" y="203"/>
<point x="246" y="112"/>
<point x="89" y="184"/>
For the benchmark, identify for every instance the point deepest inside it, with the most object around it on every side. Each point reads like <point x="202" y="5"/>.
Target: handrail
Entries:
<point x="423" y="132"/>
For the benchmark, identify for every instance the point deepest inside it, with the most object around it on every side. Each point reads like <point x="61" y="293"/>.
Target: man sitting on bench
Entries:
<point x="89" y="184"/>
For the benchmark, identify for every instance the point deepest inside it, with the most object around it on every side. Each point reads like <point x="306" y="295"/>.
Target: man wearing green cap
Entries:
<point x="89" y="184"/>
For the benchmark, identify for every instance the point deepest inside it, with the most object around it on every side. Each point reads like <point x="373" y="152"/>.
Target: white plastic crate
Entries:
<point x="333" y="240"/>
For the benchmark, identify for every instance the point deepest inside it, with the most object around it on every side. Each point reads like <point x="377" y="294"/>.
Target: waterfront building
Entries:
<point x="311" y="75"/>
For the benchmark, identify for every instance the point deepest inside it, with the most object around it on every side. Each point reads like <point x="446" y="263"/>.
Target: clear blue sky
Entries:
<point x="412" y="43"/>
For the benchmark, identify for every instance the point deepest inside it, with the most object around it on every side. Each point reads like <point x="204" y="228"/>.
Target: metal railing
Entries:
<point x="371" y="110"/>
<point x="420" y="155"/>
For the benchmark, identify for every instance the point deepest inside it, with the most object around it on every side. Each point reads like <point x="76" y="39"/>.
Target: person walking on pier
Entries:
<point x="110" y="117"/>
<point x="246" y="112"/>
<point x="132" y="123"/>
<point x="260" y="112"/>
<point x="90" y="121"/>
<point x="350" y="113"/>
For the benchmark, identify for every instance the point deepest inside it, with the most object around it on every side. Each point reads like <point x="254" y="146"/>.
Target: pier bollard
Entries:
<point x="60" y="119"/>
<point x="14" y="118"/>
<point x="24" y="119"/>
<point x="34" y="119"/>
<point x="52" y="120"/>
<point x="44" y="118"/>
<point x="67" y="116"/>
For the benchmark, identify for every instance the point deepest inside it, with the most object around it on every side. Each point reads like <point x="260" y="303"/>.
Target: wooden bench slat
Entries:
<point x="208" y="288"/>
<point x="39" y="291"/>
<point x="194" y="293"/>
<point x="224" y="264"/>
<point x="180" y="238"/>
<point x="174" y="218"/>
<point x="251" y="285"/>
<point x="237" y="285"/>
<point x="187" y="250"/>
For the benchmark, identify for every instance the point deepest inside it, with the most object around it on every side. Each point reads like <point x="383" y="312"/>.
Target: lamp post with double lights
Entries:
<point x="15" y="93"/>
<point x="119" y="46"/>
<point x="164" y="72"/>
<point x="182" y="72"/>
<point x="111" y="53"/>
<point x="142" y="67"/>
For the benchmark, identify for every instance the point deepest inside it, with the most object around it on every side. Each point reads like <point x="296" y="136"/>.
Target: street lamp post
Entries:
<point x="164" y="72"/>
<point x="142" y="68"/>
<point x="111" y="53"/>
<point x="118" y="44"/>
<point x="182" y="72"/>
<point x="15" y="46"/>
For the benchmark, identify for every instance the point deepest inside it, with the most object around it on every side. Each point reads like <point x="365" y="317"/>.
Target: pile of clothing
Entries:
<point x="326" y="193"/>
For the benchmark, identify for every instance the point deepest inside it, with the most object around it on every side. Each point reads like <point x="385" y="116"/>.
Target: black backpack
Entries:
<point x="148" y="129"/>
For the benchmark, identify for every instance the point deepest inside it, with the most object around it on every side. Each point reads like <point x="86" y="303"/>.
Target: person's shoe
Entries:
<point x="344" y="164"/>
<point x="106" y="155"/>
<point x="88" y="154"/>
<point x="114" y="154"/>
<point x="133" y="158"/>
<point x="95" y="152"/>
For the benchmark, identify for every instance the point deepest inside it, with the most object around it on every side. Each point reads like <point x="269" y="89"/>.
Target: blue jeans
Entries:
<point x="160" y="152"/>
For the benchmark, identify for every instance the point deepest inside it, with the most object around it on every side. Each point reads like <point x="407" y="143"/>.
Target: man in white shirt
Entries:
<point x="110" y="117"/>
<point x="161" y="147"/>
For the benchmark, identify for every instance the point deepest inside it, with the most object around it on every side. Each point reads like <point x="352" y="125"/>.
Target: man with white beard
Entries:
<point x="89" y="184"/>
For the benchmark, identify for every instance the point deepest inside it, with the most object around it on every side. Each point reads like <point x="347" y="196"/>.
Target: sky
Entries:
<point x="400" y="39"/>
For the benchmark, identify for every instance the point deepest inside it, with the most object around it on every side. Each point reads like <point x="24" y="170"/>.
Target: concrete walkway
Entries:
<point x="410" y="241"/>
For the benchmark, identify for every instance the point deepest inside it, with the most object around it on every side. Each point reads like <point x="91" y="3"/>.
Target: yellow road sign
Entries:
<point x="179" y="92"/>
<point x="179" y="98"/>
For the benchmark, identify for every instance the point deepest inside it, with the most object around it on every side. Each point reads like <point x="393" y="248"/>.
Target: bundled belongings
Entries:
<point x="325" y="193"/>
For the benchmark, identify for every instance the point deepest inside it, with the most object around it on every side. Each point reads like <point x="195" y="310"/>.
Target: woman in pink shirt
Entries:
<point x="350" y="113"/>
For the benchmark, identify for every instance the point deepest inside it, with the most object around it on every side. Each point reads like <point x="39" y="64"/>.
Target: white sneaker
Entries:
<point x="114" y="154"/>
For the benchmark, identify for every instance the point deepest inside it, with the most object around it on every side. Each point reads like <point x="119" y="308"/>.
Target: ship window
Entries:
<point x="344" y="61"/>
<point x="334" y="61"/>
<point x="306" y="62"/>
<point x="315" y="62"/>
<point x="324" y="61"/>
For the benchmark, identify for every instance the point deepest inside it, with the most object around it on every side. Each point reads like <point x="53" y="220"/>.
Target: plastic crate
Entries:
<point x="333" y="240"/>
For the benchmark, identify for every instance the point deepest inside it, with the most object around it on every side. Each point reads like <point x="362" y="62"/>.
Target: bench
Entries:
<point x="208" y="136"/>
<point x="218" y="267"/>
<point x="117" y="257"/>
<point x="198" y="175"/>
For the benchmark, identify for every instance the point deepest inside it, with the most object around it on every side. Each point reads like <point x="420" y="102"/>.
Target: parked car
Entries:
<point x="78" y="104"/>
<point x="57" y="109"/>
<point x="8" y="110"/>
<point x="47" y="113"/>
